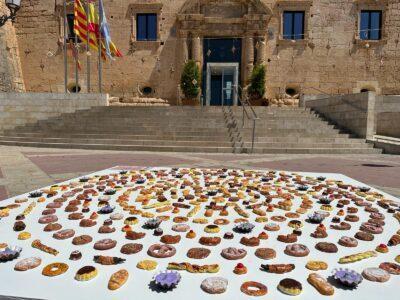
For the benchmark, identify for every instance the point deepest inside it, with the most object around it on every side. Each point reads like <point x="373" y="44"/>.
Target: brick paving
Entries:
<point x="24" y="169"/>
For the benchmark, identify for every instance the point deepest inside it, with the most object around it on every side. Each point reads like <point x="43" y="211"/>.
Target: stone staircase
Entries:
<point x="188" y="129"/>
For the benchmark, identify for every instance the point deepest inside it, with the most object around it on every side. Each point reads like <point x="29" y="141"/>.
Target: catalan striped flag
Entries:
<point x="86" y="23"/>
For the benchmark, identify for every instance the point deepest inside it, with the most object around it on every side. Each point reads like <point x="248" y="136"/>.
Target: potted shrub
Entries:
<point x="256" y="88"/>
<point x="190" y="83"/>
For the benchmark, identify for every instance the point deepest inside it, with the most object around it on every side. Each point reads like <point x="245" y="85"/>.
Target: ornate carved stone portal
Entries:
<point x="240" y="19"/>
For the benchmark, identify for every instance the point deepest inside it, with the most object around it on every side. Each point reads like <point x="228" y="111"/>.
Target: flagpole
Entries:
<point x="76" y="64"/>
<point x="87" y="47"/>
<point x="65" y="48"/>
<point x="99" y="48"/>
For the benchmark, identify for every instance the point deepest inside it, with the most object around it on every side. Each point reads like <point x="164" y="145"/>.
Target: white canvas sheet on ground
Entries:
<point x="32" y="284"/>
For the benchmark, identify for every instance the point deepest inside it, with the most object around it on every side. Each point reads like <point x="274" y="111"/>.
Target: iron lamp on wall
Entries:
<point x="13" y="6"/>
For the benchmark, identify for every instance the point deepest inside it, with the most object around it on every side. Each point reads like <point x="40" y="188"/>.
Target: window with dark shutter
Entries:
<point x="293" y="25"/>
<point x="370" y="24"/>
<point x="146" y="27"/>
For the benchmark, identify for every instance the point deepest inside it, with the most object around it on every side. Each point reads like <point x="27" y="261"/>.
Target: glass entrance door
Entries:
<point x="222" y="82"/>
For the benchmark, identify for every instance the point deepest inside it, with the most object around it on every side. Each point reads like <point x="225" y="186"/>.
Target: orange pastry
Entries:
<point x="191" y="234"/>
<point x="382" y="248"/>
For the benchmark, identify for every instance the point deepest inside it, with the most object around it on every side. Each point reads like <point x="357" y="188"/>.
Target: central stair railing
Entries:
<point x="247" y="111"/>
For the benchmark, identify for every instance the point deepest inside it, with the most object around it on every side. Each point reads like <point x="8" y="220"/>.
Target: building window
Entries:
<point x="293" y="25"/>
<point x="70" y="29"/>
<point x="146" y="27"/>
<point x="370" y="24"/>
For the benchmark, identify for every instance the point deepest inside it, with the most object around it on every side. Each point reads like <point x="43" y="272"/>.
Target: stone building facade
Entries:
<point x="10" y="68"/>
<point x="330" y="58"/>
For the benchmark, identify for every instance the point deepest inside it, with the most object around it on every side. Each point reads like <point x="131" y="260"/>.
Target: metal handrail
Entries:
<point x="245" y="104"/>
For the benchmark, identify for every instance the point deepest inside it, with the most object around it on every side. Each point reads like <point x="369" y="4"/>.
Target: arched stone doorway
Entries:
<point x="226" y="38"/>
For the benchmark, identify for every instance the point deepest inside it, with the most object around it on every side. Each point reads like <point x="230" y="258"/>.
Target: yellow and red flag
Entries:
<point x="87" y="24"/>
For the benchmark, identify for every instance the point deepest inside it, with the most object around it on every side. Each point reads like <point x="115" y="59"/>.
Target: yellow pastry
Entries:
<point x="24" y="235"/>
<point x="147" y="265"/>
<point x="316" y="265"/>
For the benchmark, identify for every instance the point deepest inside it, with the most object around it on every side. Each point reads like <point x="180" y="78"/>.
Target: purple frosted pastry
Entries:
<point x="167" y="280"/>
<point x="347" y="277"/>
<point x="10" y="254"/>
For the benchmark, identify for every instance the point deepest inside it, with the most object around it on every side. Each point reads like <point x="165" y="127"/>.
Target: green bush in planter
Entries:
<point x="257" y="82"/>
<point x="190" y="80"/>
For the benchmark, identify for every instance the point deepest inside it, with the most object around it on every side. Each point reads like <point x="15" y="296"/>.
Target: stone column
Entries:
<point x="262" y="51"/>
<point x="10" y="64"/>
<point x="184" y="55"/>
<point x="196" y="50"/>
<point x="249" y="57"/>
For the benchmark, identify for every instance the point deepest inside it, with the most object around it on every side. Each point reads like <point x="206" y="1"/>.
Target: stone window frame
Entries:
<point x="370" y="5"/>
<point x="144" y="8"/>
<point x="299" y="5"/>
<point x="59" y="14"/>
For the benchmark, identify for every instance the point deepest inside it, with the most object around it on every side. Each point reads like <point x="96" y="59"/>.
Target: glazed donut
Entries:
<point x="210" y="241"/>
<point x="198" y="253"/>
<point x="131" y="248"/>
<point x="221" y="222"/>
<point x="55" y="269"/>
<point x="265" y="253"/>
<point x="251" y="242"/>
<point x="347" y="241"/>
<point x="52" y="227"/>
<point x="252" y="288"/>
<point x="105" y="244"/>
<point x="64" y="234"/>
<point x="161" y="251"/>
<point x="81" y="240"/>
<point x="297" y="250"/>
<point x="232" y="253"/>
<point x="48" y="219"/>
<point x="170" y="239"/>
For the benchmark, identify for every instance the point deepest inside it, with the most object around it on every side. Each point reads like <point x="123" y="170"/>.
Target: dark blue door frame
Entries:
<point x="219" y="50"/>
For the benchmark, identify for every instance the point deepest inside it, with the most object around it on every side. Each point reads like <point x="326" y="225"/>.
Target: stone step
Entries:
<point x="195" y="143"/>
<point x="201" y="149"/>
<point x="293" y="139"/>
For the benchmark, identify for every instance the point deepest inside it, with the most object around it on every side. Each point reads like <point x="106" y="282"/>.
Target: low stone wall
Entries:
<point x="388" y="116"/>
<point x="18" y="109"/>
<point x="353" y="112"/>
